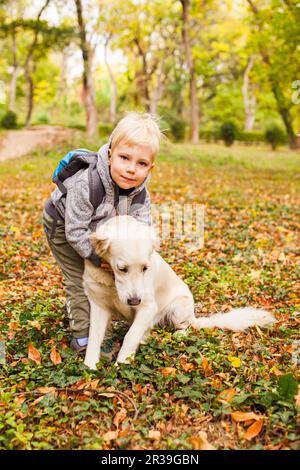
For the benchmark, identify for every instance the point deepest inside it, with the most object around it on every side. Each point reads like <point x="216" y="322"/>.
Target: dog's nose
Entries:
<point x="134" y="301"/>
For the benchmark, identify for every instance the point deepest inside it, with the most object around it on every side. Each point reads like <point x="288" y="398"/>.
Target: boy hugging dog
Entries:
<point x="123" y="165"/>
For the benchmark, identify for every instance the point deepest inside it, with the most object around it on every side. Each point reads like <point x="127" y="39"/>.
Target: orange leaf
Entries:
<point x="119" y="417"/>
<point x="44" y="390"/>
<point x="55" y="356"/>
<point x="254" y="429"/>
<point x="110" y="435"/>
<point x="227" y="395"/>
<point x="206" y="367"/>
<point x="200" y="442"/>
<point x="168" y="371"/>
<point x="240" y="417"/>
<point x="34" y="354"/>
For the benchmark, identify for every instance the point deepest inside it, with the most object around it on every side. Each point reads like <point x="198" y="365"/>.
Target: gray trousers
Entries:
<point x="72" y="266"/>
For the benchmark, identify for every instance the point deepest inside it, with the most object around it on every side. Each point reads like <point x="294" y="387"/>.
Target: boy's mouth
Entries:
<point x="127" y="179"/>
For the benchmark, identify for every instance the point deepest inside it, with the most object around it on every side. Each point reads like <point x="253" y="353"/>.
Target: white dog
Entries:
<point x="144" y="290"/>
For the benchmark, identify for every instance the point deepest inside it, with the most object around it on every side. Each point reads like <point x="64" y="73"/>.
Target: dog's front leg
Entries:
<point x="142" y="323"/>
<point x="99" y="318"/>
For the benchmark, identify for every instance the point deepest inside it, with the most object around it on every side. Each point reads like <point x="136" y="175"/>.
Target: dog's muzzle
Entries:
<point x="134" y="301"/>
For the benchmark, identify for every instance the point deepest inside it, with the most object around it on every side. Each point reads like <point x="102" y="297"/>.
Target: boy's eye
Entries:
<point x="143" y="163"/>
<point x="123" y="157"/>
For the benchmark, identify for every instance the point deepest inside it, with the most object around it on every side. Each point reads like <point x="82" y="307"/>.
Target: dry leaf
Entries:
<point x="119" y="417"/>
<point x="200" y="442"/>
<point x="154" y="434"/>
<point x="110" y="435"/>
<point x="55" y="356"/>
<point x="168" y="371"/>
<point x="206" y="367"/>
<point x="44" y="390"/>
<point x="240" y="416"/>
<point x="227" y="395"/>
<point x="254" y="429"/>
<point x="34" y="354"/>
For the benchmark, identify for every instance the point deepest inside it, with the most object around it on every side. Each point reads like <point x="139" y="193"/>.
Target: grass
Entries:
<point x="181" y="385"/>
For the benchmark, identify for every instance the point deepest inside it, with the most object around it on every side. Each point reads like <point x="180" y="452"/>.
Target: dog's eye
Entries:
<point x="123" y="270"/>
<point x="145" y="268"/>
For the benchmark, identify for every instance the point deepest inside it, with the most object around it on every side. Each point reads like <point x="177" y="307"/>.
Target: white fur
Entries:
<point x="124" y="242"/>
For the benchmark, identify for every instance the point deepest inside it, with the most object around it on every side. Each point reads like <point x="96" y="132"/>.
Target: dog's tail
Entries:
<point x="238" y="319"/>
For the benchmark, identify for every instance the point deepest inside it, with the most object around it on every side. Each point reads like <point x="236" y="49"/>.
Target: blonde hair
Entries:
<point x="139" y="129"/>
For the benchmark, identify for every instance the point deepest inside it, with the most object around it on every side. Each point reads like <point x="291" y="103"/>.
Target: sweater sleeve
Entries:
<point x="142" y="212"/>
<point x="78" y="216"/>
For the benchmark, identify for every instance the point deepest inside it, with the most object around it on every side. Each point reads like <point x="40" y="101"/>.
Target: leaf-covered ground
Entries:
<point x="210" y="388"/>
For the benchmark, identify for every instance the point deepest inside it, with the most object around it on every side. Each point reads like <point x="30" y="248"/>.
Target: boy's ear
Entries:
<point x="100" y="244"/>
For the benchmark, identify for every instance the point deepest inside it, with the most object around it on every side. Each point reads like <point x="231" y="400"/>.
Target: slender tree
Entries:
<point x="87" y="78"/>
<point x="192" y="74"/>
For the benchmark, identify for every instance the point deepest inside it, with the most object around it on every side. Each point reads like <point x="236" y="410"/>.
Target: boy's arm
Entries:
<point x="142" y="212"/>
<point x="78" y="216"/>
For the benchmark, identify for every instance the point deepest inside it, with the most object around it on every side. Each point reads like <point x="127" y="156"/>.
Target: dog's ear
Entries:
<point x="99" y="243"/>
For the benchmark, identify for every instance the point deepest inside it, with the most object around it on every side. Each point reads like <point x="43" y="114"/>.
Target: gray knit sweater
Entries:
<point x="78" y="213"/>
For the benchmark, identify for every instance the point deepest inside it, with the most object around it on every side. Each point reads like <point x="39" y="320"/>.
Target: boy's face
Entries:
<point x="130" y="164"/>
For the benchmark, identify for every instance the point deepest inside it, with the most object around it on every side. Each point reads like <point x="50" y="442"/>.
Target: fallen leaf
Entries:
<point x="154" y="434"/>
<point x="206" y="367"/>
<point x="254" y="429"/>
<point x="235" y="361"/>
<point x="55" y="356"/>
<point x="240" y="416"/>
<point x="110" y="435"/>
<point x="227" y="395"/>
<point x="119" y="417"/>
<point x="34" y="354"/>
<point x="44" y="390"/>
<point x="200" y="442"/>
<point x="168" y="371"/>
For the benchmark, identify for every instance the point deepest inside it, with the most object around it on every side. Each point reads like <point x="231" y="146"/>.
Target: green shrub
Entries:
<point x="275" y="136"/>
<point x="250" y="137"/>
<point x="228" y="133"/>
<point x="9" y="120"/>
<point x="42" y="118"/>
<point x="176" y="126"/>
<point x="105" y="129"/>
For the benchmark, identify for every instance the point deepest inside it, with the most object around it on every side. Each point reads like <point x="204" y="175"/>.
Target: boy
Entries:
<point x="124" y="165"/>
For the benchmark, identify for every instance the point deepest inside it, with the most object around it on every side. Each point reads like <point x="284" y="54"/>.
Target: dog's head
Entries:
<point x="127" y="245"/>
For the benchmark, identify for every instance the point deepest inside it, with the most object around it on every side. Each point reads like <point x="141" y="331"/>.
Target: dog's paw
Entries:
<point x="91" y="365"/>
<point x="124" y="360"/>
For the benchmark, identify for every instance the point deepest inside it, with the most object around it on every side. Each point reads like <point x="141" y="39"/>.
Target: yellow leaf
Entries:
<point x="34" y="354"/>
<point x="254" y="429"/>
<point x="235" y="361"/>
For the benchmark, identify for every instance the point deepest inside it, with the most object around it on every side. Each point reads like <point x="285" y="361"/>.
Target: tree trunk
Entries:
<point x="30" y="94"/>
<point x="191" y="68"/>
<point x="14" y="76"/>
<point x="249" y="97"/>
<point x="158" y="91"/>
<point x="28" y="73"/>
<point x="114" y="92"/>
<point x="88" y="85"/>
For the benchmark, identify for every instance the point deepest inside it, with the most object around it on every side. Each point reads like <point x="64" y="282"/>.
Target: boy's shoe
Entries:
<point x="74" y="344"/>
